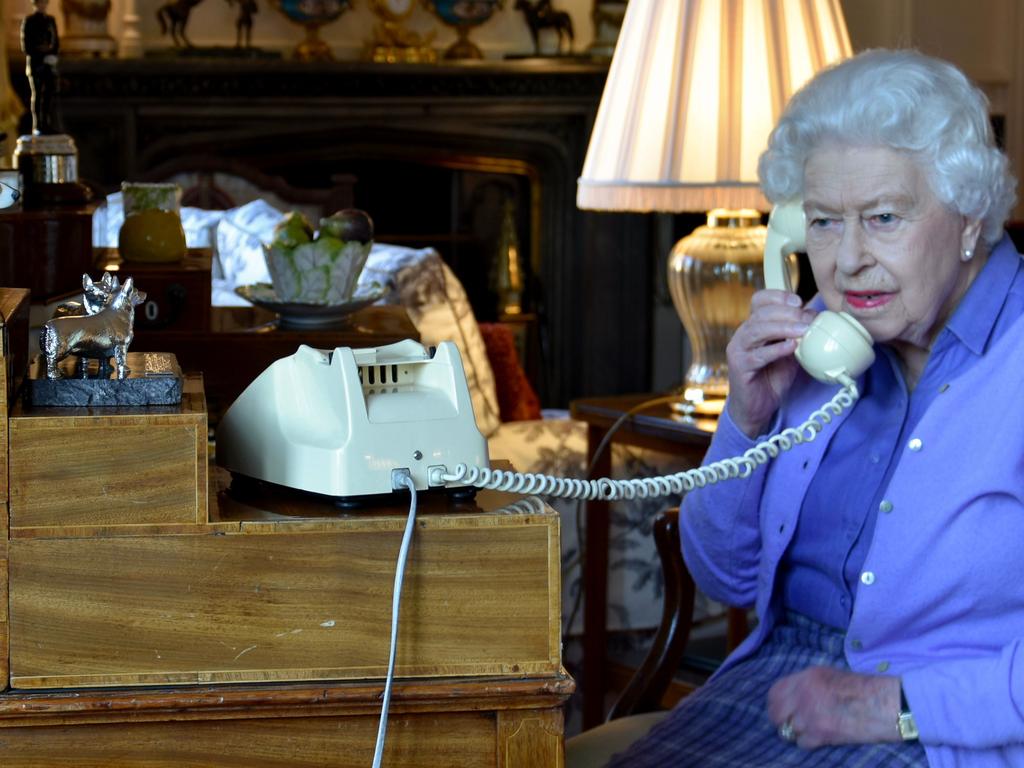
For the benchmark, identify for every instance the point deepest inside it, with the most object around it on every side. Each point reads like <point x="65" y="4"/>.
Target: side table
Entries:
<point x="658" y="429"/>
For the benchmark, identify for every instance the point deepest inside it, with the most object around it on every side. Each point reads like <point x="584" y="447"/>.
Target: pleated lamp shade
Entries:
<point x="694" y="89"/>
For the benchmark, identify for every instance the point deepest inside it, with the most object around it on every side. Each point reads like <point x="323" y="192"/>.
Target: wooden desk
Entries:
<point x="276" y="585"/>
<point x="657" y="429"/>
<point x="244" y="598"/>
<point x="243" y="341"/>
<point x="254" y="629"/>
<point x="455" y="723"/>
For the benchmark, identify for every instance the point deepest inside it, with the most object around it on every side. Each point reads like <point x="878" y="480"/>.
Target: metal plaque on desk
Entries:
<point x="154" y="379"/>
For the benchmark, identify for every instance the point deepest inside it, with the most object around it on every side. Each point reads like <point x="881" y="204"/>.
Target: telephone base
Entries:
<point x="252" y="490"/>
<point x="369" y="501"/>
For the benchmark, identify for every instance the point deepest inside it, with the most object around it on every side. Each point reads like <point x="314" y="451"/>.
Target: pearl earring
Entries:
<point x="968" y="254"/>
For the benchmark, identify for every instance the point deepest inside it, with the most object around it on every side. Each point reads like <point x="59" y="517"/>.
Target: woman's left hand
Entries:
<point x="831" y="706"/>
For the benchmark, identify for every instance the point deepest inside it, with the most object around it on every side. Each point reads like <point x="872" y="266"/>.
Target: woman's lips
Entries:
<point x="866" y="299"/>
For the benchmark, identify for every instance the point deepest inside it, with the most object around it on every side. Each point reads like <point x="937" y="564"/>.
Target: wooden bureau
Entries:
<point x="142" y="627"/>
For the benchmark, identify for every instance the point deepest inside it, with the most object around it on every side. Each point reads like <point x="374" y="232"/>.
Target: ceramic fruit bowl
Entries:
<point x="322" y="269"/>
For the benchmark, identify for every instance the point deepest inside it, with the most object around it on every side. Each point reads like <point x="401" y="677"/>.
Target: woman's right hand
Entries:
<point x="760" y="356"/>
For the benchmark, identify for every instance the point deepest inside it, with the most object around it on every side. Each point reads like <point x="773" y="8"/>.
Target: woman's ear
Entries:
<point x="969" y="239"/>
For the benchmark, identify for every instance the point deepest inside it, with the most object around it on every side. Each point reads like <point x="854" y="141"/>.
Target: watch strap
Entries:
<point x="905" y="720"/>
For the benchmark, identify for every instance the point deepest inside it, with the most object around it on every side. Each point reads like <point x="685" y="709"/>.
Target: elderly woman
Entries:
<point x="883" y="558"/>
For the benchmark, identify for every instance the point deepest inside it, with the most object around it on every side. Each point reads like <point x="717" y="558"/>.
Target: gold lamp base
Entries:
<point x="712" y="274"/>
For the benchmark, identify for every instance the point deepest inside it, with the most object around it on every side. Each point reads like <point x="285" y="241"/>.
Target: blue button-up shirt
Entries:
<point x="940" y="598"/>
<point x="820" y="572"/>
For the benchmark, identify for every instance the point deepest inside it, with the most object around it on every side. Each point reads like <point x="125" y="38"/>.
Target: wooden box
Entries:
<point x="177" y="294"/>
<point x="14" y="310"/>
<point x="282" y="588"/>
<point x="76" y="468"/>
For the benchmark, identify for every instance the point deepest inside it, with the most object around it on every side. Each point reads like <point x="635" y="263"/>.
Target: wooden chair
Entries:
<point x="647" y="687"/>
<point x="639" y="706"/>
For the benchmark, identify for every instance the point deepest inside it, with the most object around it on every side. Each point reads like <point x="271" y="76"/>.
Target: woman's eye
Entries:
<point x="820" y="223"/>
<point x="884" y="218"/>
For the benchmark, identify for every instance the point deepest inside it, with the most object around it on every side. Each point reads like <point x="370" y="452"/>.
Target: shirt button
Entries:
<point x="883" y="666"/>
<point x="867" y="578"/>
<point x="915" y="444"/>
<point x="885" y="506"/>
<point x="874" y="458"/>
<point x="856" y="644"/>
<point x="943" y="388"/>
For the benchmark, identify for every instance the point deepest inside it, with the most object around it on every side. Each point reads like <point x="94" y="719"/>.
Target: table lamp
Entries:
<point x="694" y="89"/>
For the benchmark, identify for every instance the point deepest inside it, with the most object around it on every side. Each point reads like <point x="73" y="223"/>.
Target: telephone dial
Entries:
<point x="369" y="421"/>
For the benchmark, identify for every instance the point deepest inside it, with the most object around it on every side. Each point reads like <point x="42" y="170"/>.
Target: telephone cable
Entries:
<point x="396" y="602"/>
<point x="608" y="489"/>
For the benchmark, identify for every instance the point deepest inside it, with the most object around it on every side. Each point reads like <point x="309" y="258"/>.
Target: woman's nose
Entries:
<point x="852" y="255"/>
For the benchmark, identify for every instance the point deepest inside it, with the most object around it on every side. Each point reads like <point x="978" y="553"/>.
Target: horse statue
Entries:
<point x="542" y="15"/>
<point x="173" y="16"/>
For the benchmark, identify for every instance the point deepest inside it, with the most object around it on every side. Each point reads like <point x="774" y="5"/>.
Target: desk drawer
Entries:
<point x="286" y="601"/>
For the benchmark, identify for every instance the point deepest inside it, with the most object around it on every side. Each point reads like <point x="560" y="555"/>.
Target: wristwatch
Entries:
<point x="905" y="721"/>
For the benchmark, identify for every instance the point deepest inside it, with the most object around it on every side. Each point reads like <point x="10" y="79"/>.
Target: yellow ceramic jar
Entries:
<point x="152" y="236"/>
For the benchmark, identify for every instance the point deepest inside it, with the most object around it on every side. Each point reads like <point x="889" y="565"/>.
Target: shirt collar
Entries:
<point x="976" y="315"/>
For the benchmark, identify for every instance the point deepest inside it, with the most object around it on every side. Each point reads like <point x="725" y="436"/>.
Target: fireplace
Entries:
<point x="439" y="155"/>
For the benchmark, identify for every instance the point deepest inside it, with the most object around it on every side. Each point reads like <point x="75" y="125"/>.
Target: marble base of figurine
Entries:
<point x="154" y="379"/>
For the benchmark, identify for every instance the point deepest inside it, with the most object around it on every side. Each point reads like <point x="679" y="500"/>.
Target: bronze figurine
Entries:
<point x="41" y="45"/>
<point x="543" y="15"/>
<point x="243" y="25"/>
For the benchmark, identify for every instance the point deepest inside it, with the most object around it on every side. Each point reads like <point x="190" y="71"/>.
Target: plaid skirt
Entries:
<point x="725" y="721"/>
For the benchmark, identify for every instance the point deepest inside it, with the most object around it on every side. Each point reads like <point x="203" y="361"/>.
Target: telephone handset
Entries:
<point x="836" y="344"/>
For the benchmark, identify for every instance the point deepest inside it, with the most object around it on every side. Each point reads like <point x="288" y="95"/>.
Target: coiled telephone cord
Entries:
<point x="649" y="487"/>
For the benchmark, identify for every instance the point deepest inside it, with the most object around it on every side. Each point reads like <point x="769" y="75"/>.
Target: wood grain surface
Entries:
<point x="513" y="723"/>
<point x="104" y="466"/>
<point x="480" y="597"/>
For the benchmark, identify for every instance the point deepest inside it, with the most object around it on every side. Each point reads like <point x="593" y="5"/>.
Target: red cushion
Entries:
<point x="517" y="400"/>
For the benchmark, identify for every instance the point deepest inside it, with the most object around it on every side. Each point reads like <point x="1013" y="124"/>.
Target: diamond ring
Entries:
<point x="787" y="732"/>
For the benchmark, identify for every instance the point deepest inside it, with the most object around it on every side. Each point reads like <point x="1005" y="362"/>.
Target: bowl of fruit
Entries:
<point x="315" y="273"/>
<point x="322" y="267"/>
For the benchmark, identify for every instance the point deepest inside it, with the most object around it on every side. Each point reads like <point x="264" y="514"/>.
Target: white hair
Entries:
<point x="908" y="102"/>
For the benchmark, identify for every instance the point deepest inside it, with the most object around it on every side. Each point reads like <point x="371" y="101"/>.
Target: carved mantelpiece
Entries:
<point x="416" y="138"/>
